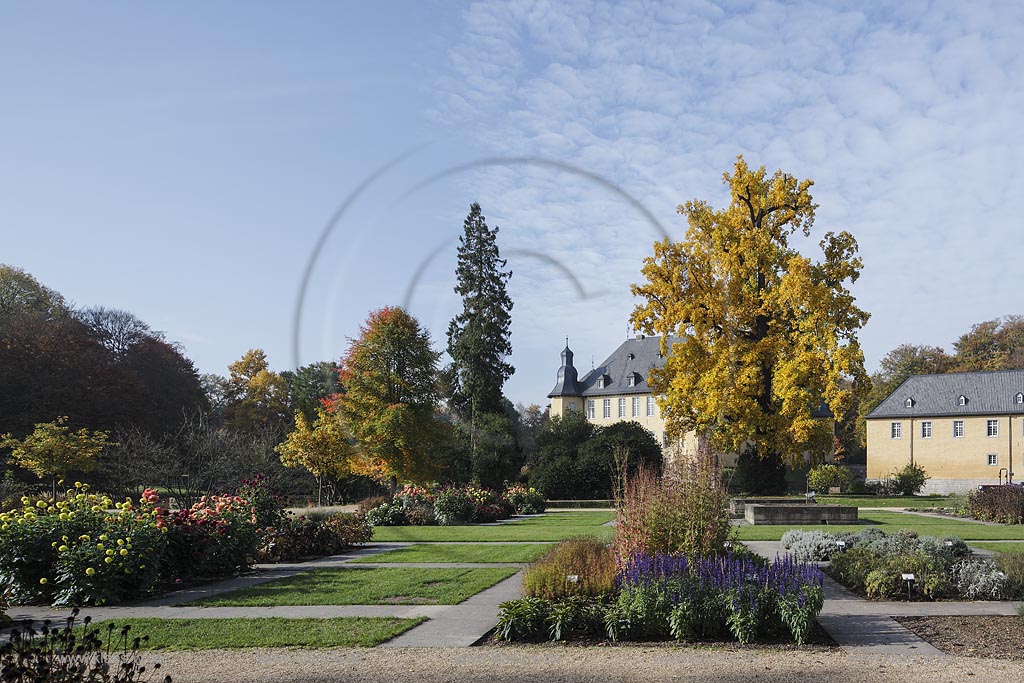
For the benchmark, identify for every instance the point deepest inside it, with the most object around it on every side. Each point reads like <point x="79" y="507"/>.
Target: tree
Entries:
<point x="54" y="450"/>
<point x="992" y="345"/>
<point x="310" y="385"/>
<point x="391" y="398"/>
<point x="21" y="293"/>
<point x="117" y="331"/>
<point x="531" y="419"/>
<point x="619" y="449"/>
<point x="553" y="469"/>
<point x="491" y="451"/>
<point x="479" y="336"/>
<point x="764" y="334"/>
<point x="323" y="447"/>
<point x="257" y="397"/>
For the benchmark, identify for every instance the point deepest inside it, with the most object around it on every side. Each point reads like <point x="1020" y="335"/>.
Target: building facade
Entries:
<point x="964" y="429"/>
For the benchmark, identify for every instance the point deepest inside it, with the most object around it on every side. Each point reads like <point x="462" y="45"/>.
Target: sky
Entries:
<point x="263" y="175"/>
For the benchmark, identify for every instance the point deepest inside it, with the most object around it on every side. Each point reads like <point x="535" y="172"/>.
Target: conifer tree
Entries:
<point x="479" y="336"/>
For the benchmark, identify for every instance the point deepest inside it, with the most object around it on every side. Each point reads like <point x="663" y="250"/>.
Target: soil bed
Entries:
<point x="994" y="637"/>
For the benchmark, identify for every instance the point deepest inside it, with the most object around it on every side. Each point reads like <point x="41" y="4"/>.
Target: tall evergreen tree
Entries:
<point x="479" y="337"/>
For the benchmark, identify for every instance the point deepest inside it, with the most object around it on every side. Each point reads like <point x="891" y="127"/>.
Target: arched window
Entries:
<point x="1020" y="398"/>
<point x="962" y="401"/>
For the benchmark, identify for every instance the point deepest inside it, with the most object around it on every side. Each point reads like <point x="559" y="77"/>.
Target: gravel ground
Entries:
<point x="974" y="636"/>
<point x="568" y="665"/>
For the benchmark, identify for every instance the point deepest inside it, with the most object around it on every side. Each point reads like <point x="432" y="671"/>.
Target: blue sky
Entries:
<point x="181" y="161"/>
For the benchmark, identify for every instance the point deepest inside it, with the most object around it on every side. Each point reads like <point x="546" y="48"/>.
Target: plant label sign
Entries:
<point x="572" y="578"/>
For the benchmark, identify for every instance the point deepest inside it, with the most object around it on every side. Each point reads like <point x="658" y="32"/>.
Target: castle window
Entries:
<point x="636" y="406"/>
<point x="631" y="380"/>
<point x="958" y="428"/>
<point x="993" y="459"/>
<point x="926" y="429"/>
<point x="650" y="406"/>
<point x="1019" y="400"/>
<point x="606" y="408"/>
<point x="962" y="401"/>
<point x="622" y="407"/>
<point x="590" y="408"/>
<point x="630" y="356"/>
<point x="908" y="402"/>
<point x="600" y="382"/>
<point x="896" y="430"/>
<point x="992" y="428"/>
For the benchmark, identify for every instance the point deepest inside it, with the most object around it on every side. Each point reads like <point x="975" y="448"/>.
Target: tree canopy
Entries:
<point x="391" y="398"/>
<point x="53" y="450"/>
<point x="479" y="337"/>
<point x="21" y="293"/>
<point x="756" y="335"/>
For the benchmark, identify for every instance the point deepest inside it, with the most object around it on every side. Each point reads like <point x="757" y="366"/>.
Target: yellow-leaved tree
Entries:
<point x="756" y="335"/>
<point x="54" y="450"/>
<point x="323" y="447"/>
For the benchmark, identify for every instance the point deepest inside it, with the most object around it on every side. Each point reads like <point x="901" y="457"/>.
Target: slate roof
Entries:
<point x="637" y="356"/>
<point x="987" y="393"/>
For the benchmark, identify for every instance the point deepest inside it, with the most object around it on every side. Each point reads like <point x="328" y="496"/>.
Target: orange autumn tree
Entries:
<point x="390" y="401"/>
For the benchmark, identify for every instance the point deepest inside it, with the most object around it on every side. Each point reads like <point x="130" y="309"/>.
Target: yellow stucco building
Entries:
<point x="965" y="429"/>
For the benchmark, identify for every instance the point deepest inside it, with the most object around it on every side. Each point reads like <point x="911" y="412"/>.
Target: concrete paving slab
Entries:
<point x="875" y="636"/>
<point x="464" y="624"/>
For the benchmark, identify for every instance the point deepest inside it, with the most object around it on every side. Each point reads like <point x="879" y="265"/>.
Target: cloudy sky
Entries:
<point x="198" y="164"/>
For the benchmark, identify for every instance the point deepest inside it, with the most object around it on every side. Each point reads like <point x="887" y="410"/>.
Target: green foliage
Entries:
<point x="453" y="506"/>
<point x="553" y="470"/>
<point x="1004" y="504"/>
<point x="21" y="293"/>
<point x="1012" y="565"/>
<point x="525" y="500"/>
<point x="613" y="451"/>
<point x="479" y="338"/>
<point x="300" y="537"/>
<point x="90" y="654"/>
<point x="823" y="477"/>
<point x="309" y="385"/>
<point x="488" y="444"/>
<point x="759" y="473"/>
<point x="523" y="619"/>
<point x="910" y="480"/>
<point x="591" y="562"/>
<point x="386" y="514"/>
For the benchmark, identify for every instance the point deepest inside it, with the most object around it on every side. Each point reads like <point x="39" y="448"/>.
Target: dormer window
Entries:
<point x="630" y="356"/>
<point x="603" y="381"/>
<point x="1019" y="400"/>
<point x="962" y="400"/>
<point x="632" y="379"/>
<point x="908" y="402"/>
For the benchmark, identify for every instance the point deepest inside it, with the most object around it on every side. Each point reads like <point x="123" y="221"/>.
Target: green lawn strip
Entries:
<point x="505" y="532"/>
<point x="894" y="502"/>
<point x="1007" y="548"/>
<point x="570" y="518"/>
<point x="210" y="634"/>
<point x="470" y="552"/>
<point x="365" y="586"/>
<point x="892" y="521"/>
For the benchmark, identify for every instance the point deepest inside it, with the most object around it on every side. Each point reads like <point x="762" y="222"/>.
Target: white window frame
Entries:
<point x="622" y="407"/>
<point x="650" y="406"/>
<point x="895" y="430"/>
<point x="992" y="428"/>
<point x="600" y="382"/>
<point x="993" y="459"/>
<point x="962" y="400"/>
<point x="630" y="380"/>
<point x="958" y="426"/>
<point x="571" y="406"/>
<point x="590" y="409"/>
<point x="926" y="429"/>
<point x="606" y="408"/>
<point x="1019" y="398"/>
<point x="636" y="406"/>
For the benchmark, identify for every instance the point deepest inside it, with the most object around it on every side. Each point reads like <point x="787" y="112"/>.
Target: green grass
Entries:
<point x="894" y="502"/>
<point x="554" y="526"/>
<point x="469" y="552"/>
<point x="1007" y="548"/>
<point x="210" y="634"/>
<point x="365" y="586"/>
<point x="891" y="521"/>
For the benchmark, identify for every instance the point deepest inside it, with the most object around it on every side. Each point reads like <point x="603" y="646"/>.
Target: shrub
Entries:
<point x="885" y="581"/>
<point x="367" y="504"/>
<point x="214" y="538"/>
<point x="78" y="551"/>
<point x="453" y="506"/>
<point x="386" y="514"/>
<point x="1003" y="504"/>
<point x="347" y="529"/>
<point x="910" y="480"/>
<point x="589" y="560"/>
<point x="823" y="477"/>
<point x="73" y="654"/>
<point x="523" y="619"/>
<point x="686" y="511"/>
<point x="1013" y="567"/>
<point x="525" y="501"/>
<point x="978" y="580"/>
<point x="814" y="546"/>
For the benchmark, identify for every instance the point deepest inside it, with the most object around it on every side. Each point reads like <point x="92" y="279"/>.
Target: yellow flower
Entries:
<point x="108" y="560"/>
<point x="123" y="552"/>
<point x="63" y="516"/>
<point x="110" y="552"/>
<point x="103" y="537"/>
<point x="41" y="504"/>
<point x="99" y="546"/>
<point x="62" y="549"/>
<point x="43" y="581"/>
<point x="120" y="541"/>
<point x="90" y="571"/>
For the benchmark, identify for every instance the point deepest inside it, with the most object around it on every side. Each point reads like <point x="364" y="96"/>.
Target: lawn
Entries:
<point x="891" y="521"/>
<point x="210" y="634"/>
<point x="365" y="586"/>
<point x="554" y="526"/>
<point x="469" y="552"/>
<point x="1008" y="548"/>
<point x="879" y="502"/>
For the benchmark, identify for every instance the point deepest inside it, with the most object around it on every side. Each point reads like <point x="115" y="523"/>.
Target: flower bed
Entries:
<point x="452" y="505"/>
<point x="673" y="596"/>
<point x="873" y="564"/>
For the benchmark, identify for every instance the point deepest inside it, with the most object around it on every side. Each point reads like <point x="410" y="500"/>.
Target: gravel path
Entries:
<point x="569" y="664"/>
